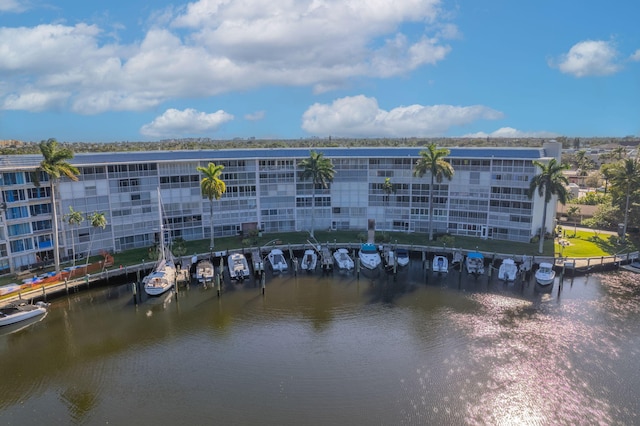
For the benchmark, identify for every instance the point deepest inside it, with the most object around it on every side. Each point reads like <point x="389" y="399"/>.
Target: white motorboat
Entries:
<point x="205" y="271"/>
<point x="457" y="258"/>
<point x="440" y="264"/>
<point x="369" y="256"/>
<point x="402" y="257"/>
<point x="343" y="260"/>
<point x="475" y="263"/>
<point x="545" y="274"/>
<point x="277" y="260"/>
<point x="309" y="260"/>
<point x="238" y="267"/>
<point x="508" y="270"/>
<point x="17" y="312"/>
<point x="163" y="276"/>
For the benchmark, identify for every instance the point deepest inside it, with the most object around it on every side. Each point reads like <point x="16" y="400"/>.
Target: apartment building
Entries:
<point x="486" y="197"/>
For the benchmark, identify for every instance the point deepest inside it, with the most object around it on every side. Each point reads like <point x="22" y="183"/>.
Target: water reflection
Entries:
<point x="380" y="349"/>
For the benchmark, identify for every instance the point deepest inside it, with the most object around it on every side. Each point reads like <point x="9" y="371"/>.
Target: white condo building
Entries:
<point x="486" y="198"/>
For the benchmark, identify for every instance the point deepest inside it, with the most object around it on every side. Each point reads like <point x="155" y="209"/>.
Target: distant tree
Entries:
<point x="572" y="213"/>
<point x="55" y="165"/>
<point x="320" y="171"/>
<point x="74" y="218"/>
<point x="626" y="179"/>
<point x="551" y="181"/>
<point x="432" y="161"/>
<point x="212" y="187"/>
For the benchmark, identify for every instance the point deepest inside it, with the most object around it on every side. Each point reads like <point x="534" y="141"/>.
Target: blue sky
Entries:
<point x="100" y="71"/>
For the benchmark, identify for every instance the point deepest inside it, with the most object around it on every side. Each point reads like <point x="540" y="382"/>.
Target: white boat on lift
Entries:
<point x="309" y="260"/>
<point x="14" y="313"/>
<point x="440" y="264"/>
<point x="343" y="260"/>
<point x="369" y="256"/>
<point x="238" y="267"/>
<point x="402" y="257"/>
<point x="545" y="274"/>
<point x="277" y="260"/>
<point x="475" y="263"/>
<point x="205" y="271"/>
<point x="508" y="270"/>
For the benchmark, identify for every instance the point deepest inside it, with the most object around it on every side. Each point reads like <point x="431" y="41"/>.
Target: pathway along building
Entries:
<point x="486" y="197"/>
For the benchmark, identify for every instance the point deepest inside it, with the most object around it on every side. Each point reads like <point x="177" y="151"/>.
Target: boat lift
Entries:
<point x="324" y="255"/>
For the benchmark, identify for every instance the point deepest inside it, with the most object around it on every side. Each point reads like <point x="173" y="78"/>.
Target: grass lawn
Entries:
<point x="589" y="243"/>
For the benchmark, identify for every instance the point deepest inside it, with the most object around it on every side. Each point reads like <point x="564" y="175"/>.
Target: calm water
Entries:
<point x="333" y="350"/>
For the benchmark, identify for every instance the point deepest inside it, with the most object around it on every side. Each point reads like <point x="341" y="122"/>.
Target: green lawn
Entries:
<point x="588" y="243"/>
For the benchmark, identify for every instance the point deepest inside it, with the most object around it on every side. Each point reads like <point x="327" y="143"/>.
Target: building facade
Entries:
<point x="486" y="198"/>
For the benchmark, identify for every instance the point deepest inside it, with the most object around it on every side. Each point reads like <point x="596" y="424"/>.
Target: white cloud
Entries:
<point x="590" y="58"/>
<point x="35" y="100"/>
<point x="636" y="56"/>
<point x="13" y="6"/>
<point x="211" y="47"/>
<point x="256" y="116"/>
<point x="360" y="116"/>
<point x="511" y="133"/>
<point x="176" y="123"/>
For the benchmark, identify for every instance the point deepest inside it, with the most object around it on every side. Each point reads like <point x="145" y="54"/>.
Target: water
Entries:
<point x="320" y="350"/>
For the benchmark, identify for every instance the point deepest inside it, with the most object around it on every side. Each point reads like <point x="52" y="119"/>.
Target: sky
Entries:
<point x="145" y="70"/>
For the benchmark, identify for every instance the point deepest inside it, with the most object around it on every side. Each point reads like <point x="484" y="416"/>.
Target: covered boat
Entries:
<point x="508" y="270"/>
<point x="342" y="259"/>
<point x="277" y="260"/>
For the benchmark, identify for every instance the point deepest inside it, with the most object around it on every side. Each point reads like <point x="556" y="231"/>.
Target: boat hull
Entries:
<point x="17" y="314"/>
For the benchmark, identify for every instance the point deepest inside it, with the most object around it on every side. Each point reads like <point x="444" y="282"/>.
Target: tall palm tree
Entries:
<point x="55" y="165"/>
<point x="626" y="179"/>
<point x="432" y="161"/>
<point x="97" y="220"/>
<point x="212" y="187"/>
<point x="74" y="218"/>
<point x="388" y="189"/>
<point x="550" y="182"/>
<point x="320" y="171"/>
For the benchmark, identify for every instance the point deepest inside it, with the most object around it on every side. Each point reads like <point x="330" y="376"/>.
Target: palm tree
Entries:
<point x="74" y="218"/>
<point x="320" y="171"/>
<point x="626" y="179"/>
<point x="432" y="160"/>
<point x="55" y="165"/>
<point x="97" y="220"/>
<point x="212" y="187"/>
<point x="572" y="213"/>
<point x="550" y="182"/>
<point x="388" y="189"/>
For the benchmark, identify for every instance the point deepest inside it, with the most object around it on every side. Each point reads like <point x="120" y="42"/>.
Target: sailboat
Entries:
<point x="163" y="276"/>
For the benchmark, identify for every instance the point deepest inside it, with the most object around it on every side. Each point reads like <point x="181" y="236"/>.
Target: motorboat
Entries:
<point x="508" y="270"/>
<point x="475" y="263"/>
<point x="163" y="276"/>
<point x="369" y="256"/>
<point x="205" y="271"/>
<point x="390" y="261"/>
<point x="277" y="260"/>
<point x="17" y="312"/>
<point x="440" y="264"/>
<point x="343" y="260"/>
<point x="309" y="260"/>
<point x="238" y="267"/>
<point x="545" y="274"/>
<point x="402" y="257"/>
